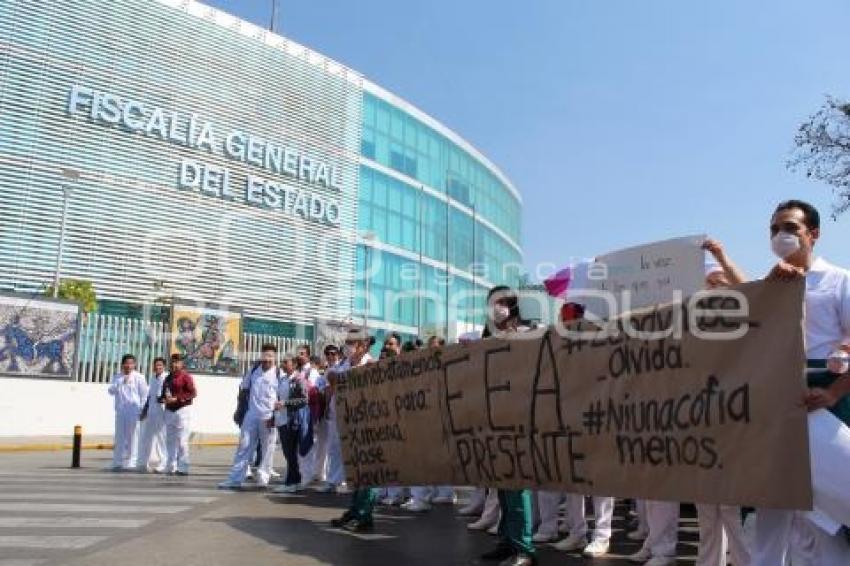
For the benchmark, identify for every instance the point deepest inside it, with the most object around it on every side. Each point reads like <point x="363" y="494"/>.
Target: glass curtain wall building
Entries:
<point x="208" y="160"/>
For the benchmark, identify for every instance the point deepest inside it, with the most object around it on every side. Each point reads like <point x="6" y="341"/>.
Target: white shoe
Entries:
<point x="596" y="549"/>
<point x="661" y="561"/>
<point x="389" y="501"/>
<point x="494" y="530"/>
<point x="637" y="535"/>
<point x="417" y="506"/>
<point x="446" y="500"/>
<point x="228" y="484"/>
<point x="640" y="556"/>
<point x="273" y="474"/>
<point x="342" y="488"/>
<point x="571" y="543"/>
<point x="480" y="525"/>
<point x="544" y="537"/>
<point x="325" y="487"/>
<point x="291" y="488"/>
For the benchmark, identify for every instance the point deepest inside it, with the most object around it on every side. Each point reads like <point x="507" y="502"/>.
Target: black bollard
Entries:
<point x="78" y="443"/>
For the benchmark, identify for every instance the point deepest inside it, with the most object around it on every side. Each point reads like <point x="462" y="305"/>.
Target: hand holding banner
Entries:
<point x="684" y="402"/>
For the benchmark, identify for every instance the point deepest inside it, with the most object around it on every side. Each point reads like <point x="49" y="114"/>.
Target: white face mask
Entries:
<point x="501" y="313"/>
<point x="784" y="244"/>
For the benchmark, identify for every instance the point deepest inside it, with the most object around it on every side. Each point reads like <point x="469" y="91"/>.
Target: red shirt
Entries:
<point x="182" y="388"/>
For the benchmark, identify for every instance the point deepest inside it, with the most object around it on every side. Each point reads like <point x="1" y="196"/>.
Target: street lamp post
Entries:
<point x="69" y="175"/>
<point x="368" y="238"/>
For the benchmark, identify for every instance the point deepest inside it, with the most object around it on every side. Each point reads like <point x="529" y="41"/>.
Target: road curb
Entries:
<point x="97" y="446"/>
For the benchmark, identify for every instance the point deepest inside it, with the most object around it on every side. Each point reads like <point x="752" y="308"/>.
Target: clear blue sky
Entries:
<point x="621" y="122"/>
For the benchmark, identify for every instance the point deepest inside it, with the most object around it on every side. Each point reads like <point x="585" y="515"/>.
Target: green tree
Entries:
<point x="823" y="150"/>
<point x="78" y="291"/>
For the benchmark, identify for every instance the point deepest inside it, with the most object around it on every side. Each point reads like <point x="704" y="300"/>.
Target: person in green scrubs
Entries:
<point x="515" y="547"/>
<point x="358" y="517"/>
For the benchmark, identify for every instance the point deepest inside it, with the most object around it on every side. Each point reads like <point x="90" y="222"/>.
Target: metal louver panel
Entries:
<point x="130" y="225"/>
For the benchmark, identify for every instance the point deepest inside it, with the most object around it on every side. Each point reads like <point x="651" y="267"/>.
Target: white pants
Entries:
<point x="425" y="493"/>
<point x="422" y="493"/>
<point x="152" y="442"/>
<point x="126" y="441"/>
<point x="782" y="534"/>
<point x="491" y="511"/>
<point x="640" y="511"/>
<point x="177" y="431"/>
<point x="547" y="509"/>
<point x="603" y="510"/>
<point x="395" y="492"/>
<point x="254" y="430"/>
<point x="309" y="465"/>
<point x="320" y="451"/>
<point x="336" y="471"/>
<point x="663" y="520"/>
<point x="784" y="537"/>
<point x="719" y="526"/>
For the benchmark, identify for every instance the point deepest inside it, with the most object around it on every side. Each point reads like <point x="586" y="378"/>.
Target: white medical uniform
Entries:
<point x="814" y="538"/>
<point x="662" y="518"/>
<point x="603" y="510"/>
<point x="336" y="469"/>
<point x="255" y="429"/>
<point x="130" y="392"/>
<point x="720" y="528"/>
<point x="548" y="503"/>
<point x="152" y="443"/>
<point x="312" y="465"/>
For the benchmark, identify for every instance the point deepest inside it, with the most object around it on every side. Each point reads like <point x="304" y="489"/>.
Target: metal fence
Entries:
<point x="251" y="344"/>
<point x="105" y="338"/>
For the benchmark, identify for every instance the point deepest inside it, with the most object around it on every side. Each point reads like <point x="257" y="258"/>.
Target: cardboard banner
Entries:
<point x="706" y="409"/>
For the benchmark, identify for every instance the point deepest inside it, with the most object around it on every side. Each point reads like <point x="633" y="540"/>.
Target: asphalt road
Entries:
<point x="51" y="514"/>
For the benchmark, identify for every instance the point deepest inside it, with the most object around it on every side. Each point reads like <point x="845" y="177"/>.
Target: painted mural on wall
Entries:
<point x="208" y="338"/>
<point x="38" y="337"/>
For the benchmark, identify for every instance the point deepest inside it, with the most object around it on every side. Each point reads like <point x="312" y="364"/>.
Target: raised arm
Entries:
<point x="733" y="272"/>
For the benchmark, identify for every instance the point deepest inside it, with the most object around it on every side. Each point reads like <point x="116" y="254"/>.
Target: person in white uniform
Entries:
<point x="721" y="529"/>
<point x="312" y="465"/>
<point x="335" y="474"/>
<point x="818" y="537"/>
<point x="659" y="547"/>
<point x="547" y="506"/>
<point x="152" y="452"/>
<point x="130" y="390"/>
<point x="261" y="384"/>
<point x="600" y="540"/>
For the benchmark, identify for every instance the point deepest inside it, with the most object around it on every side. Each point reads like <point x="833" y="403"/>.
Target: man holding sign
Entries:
<point x="814" y="537"/>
